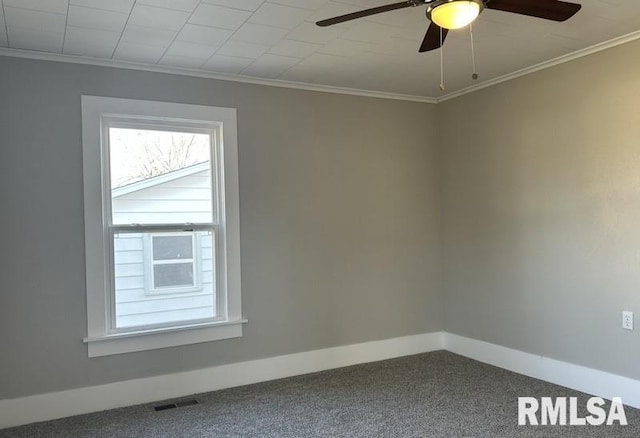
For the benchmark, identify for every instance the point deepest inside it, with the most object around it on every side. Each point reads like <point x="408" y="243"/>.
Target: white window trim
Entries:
<point x="100" y="338"/>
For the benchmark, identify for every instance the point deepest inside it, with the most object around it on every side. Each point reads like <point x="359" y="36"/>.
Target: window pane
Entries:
<point x="152" y="292"/>
<point x="172" y="247"/>
<point x="173" y="275"/>
<point x="160" y="177"/>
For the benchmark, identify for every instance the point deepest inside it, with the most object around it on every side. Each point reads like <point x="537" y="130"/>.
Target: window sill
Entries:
<point x="118" y="343"/>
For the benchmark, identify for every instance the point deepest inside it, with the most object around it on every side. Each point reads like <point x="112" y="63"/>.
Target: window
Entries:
<point x="161" y="224"/>
<point x="172" y="263"/>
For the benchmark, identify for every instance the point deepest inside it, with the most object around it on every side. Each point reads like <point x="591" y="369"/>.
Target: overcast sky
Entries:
<point x="127" y="151"/>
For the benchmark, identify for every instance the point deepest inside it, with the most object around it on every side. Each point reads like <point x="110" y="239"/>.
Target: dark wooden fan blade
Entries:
<point x="365" y="13"/>
<point x="431" y="40"/>
<point x="548" y="9"/>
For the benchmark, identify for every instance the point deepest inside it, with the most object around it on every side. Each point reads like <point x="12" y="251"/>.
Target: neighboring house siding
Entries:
<point x="189" y="195"/>
<point x="155" y="204"/>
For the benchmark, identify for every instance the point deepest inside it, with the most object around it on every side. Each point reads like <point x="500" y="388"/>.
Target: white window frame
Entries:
<point x="150" y="263"/>
<point x="97" y="115"/>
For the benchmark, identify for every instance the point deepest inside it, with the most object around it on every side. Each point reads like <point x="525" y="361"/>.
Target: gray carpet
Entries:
<point x="436" y="394"/>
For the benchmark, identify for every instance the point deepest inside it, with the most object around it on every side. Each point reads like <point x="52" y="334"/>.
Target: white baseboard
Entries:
<point x="15" y="412"/>
<point x="588" y="380"/>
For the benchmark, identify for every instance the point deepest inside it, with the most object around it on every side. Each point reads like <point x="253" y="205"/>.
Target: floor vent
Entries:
<point x="190" y="402"/>
<point x="179" y="404"/>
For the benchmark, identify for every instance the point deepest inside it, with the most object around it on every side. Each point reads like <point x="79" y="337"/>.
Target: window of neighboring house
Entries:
<point x="172" y="263"/>
<point x="161" y="224"/>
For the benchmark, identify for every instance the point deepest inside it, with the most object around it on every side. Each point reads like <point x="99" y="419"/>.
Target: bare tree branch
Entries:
<point x="151" y="157"/>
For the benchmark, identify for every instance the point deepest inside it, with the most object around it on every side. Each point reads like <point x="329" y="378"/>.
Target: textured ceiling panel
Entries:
<point x="277" y="39"/>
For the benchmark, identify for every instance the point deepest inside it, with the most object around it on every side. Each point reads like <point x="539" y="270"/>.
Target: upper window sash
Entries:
<point x="213" y="129"/>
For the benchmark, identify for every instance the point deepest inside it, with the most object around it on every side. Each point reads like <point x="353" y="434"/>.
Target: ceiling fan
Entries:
<point x="453" y="14"/>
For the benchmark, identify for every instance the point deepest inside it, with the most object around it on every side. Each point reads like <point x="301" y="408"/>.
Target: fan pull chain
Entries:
<point x="474" y="76"/>
<point x="441" y="62"/>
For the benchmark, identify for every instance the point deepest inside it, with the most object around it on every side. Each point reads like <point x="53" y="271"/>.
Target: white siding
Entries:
<point x="135" y="305"/>
<point x="187" y="199"/>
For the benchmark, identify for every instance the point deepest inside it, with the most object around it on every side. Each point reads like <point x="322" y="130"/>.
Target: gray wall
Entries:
<point x="340" y="199"/>
<point x="541" y="211"/>
<point x="339" y="215"/>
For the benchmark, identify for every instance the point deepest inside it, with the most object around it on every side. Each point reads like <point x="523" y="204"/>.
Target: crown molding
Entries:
<point x="544" y="65"/>
<point x="43" y="56"/>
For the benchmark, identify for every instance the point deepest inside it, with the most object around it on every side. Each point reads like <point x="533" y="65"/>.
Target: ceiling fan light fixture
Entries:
<point x="454" y="14"/>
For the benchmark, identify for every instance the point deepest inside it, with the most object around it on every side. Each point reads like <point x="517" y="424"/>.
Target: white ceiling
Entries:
<point x="277" y="39"/>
